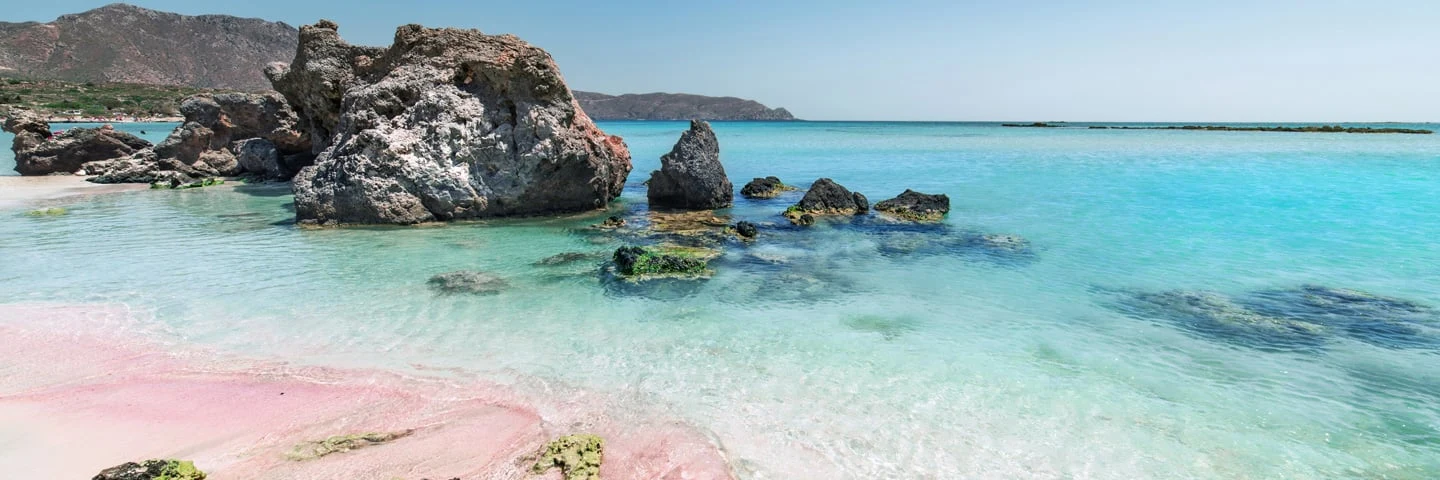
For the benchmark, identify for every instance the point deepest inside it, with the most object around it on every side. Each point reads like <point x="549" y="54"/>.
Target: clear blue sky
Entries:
<point x="1126" y="60"/>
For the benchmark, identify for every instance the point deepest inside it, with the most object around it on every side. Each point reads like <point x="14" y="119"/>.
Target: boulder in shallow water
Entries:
<point x="152" y="470"/>
<point x="445" y="124"/>
<point x="663" y="261"/>
<point x="746" y="230"/>
<point x="467" y="281"/>
<point x="691" y="176"/>
<point x="916" y="206"/>
<point x="826" y="197"/>
<point x="768" y="187"/>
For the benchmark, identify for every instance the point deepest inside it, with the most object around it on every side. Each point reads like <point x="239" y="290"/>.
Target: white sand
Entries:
<point x="18" y="192"/>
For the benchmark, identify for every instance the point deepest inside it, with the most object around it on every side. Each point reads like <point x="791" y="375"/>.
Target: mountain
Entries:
<point x="125" y="44"/>
<point x="675" y="106"/>
<point x="128" y="44"/>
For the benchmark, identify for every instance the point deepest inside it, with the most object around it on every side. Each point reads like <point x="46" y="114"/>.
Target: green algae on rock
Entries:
<point x="343" y="443"/>
<point x="48" y="212"/>
<point x="176" y="185"/>
<point x="664" y="261"/>
<point x="169" y="469"/>
<point x="577" y="456"/>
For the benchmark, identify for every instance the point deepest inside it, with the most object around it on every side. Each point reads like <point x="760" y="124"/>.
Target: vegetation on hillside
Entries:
<point x="62" y="99"/>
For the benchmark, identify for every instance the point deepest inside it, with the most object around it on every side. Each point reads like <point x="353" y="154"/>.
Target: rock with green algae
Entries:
<point x="48" y="212"/>
<point x="577" y="456"/>
<point x="663" y="261"/>
<point x="175" y="184"/>
<point x="343" y="443"/>
<point x="169" y="469"/>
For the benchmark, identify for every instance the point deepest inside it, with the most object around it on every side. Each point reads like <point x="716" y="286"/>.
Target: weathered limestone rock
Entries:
<point x="916" y="206"/>
<point x="259" y="156"/>
<point x="691" y="176"/>
<point x="215" y="124"/>
<point x="153" y="470"/>
<point x="445" y="124"/>
<point x="768" y="187"/>
<point x="38" y="153"/>
<point x="826" y="197"/>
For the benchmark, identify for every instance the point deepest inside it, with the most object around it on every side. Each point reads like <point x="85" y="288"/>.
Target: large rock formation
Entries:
<point x="38" y="153"/>
<point x="691" y="176"/>
<point x="445" y="124"/>
<point x="128" y="44"/>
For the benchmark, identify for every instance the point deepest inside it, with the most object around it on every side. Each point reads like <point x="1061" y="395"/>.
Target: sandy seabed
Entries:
<point x="85" y="387"/>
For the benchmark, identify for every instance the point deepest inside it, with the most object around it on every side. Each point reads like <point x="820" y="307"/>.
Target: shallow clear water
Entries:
<point x="853" y="350"/>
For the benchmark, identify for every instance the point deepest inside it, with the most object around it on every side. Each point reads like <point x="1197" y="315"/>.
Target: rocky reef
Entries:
<point x="466" y="281"/>
<point x="916" y="206"/>
<point x="445" y="124"/>
<point x="38" y="152"/>
<point x="691" y="176"/>
<point x="826" y="197"/>
<point x="152" y="470"/>
<point x="768" y="187"/>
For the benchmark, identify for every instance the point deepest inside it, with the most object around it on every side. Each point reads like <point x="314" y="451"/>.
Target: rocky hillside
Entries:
<point x="128" y="44"/>
<point x="675" y="106"/>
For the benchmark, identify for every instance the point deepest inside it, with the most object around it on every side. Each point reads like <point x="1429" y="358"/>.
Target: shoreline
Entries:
<point x="28" y="191"/>
<point x="108" y="396"/>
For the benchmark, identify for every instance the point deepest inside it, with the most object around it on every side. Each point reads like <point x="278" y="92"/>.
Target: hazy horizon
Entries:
<point x="921" y="60"/>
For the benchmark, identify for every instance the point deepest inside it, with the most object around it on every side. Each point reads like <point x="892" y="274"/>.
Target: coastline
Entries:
<point x="20" y="191"/>
<point x="109" y="395"/>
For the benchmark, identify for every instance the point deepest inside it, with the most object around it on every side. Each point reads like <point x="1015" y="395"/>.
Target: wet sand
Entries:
<point x="81" y="390"/>
<point x="20" y="192"/>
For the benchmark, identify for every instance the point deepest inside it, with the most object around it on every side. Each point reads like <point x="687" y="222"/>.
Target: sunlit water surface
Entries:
<point x="852" y="350"/>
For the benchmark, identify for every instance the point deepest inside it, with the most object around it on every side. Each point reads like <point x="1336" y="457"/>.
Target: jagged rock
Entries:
<point x="143" y="167"/>
<point x="152" y="470"/>
<point x="691" y="176"/>
<point x="465" y="281"/>
<point x="39" y="153"/>
<point x="216" y="124"/>
<point x="826" y="197"/>
<point x="445" y="124"/>
<point x="768" y="187"/>
<point x="577" y="456"/>
<point x="916" y="206"/>
<point x="259" y="157"/>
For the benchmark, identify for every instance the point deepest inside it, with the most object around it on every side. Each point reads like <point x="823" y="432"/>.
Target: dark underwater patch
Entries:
<point x="1215" y="316"/>
<point x="1377" y="320"/>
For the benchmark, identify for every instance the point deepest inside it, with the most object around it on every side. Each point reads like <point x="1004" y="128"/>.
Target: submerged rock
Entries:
<point x="445" y="124"/>
<point x="826" y="197"/>
<point x="566" y="259"/>
<point x="153" y="470"/>
<point x="1378" y="320"/>
<point x="577" y="456"/>
<point x="1216" y="315"/>
<point x="691" y="176"/>
<point x="466" y="281"/>
<point x="660" y="262"/>
<point x="916" y="206"/>
<point x="69" y="151"/>
<point x="343" y="443"/>
<point x="768" y="187"/>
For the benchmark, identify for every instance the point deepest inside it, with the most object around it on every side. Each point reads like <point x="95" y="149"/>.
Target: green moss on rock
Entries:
<point x="48" y="212"/>
<point x="577" y="456"/>
<point x="663" y="261"/>
<point x="176" y="185"/>
<point x="343" y="443"/>
<point x="168" y="469"/>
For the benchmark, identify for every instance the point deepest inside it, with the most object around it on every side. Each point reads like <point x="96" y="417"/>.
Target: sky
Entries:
<point x="1036" y="60"/>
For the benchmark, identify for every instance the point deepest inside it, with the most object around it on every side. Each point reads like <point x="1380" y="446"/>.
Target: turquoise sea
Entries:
<point x="862" y="350"/>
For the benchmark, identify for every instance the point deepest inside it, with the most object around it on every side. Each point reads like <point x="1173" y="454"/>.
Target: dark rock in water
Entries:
<point x="612" y="222"/>
<point x="659" y="261"/>
<point x="565" y="259"/>
<point x="1217" y="316"/>
<point x="804" y="219"/>
<point x="1377" y="320"/>
<point x="826" y="197"/>
<point x="152" y="470"/>
<point x="747" y="230"/>
<point x="445" y="124"/>
<point x="691" y="176"/>
<point x="465" y="281"/>
<point x="916" y="206"/>
<point x="39" y="153"/>
<point x="1003" y="242"/>
<point x="862" y="204"/>
<point x="768" y="187"/>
